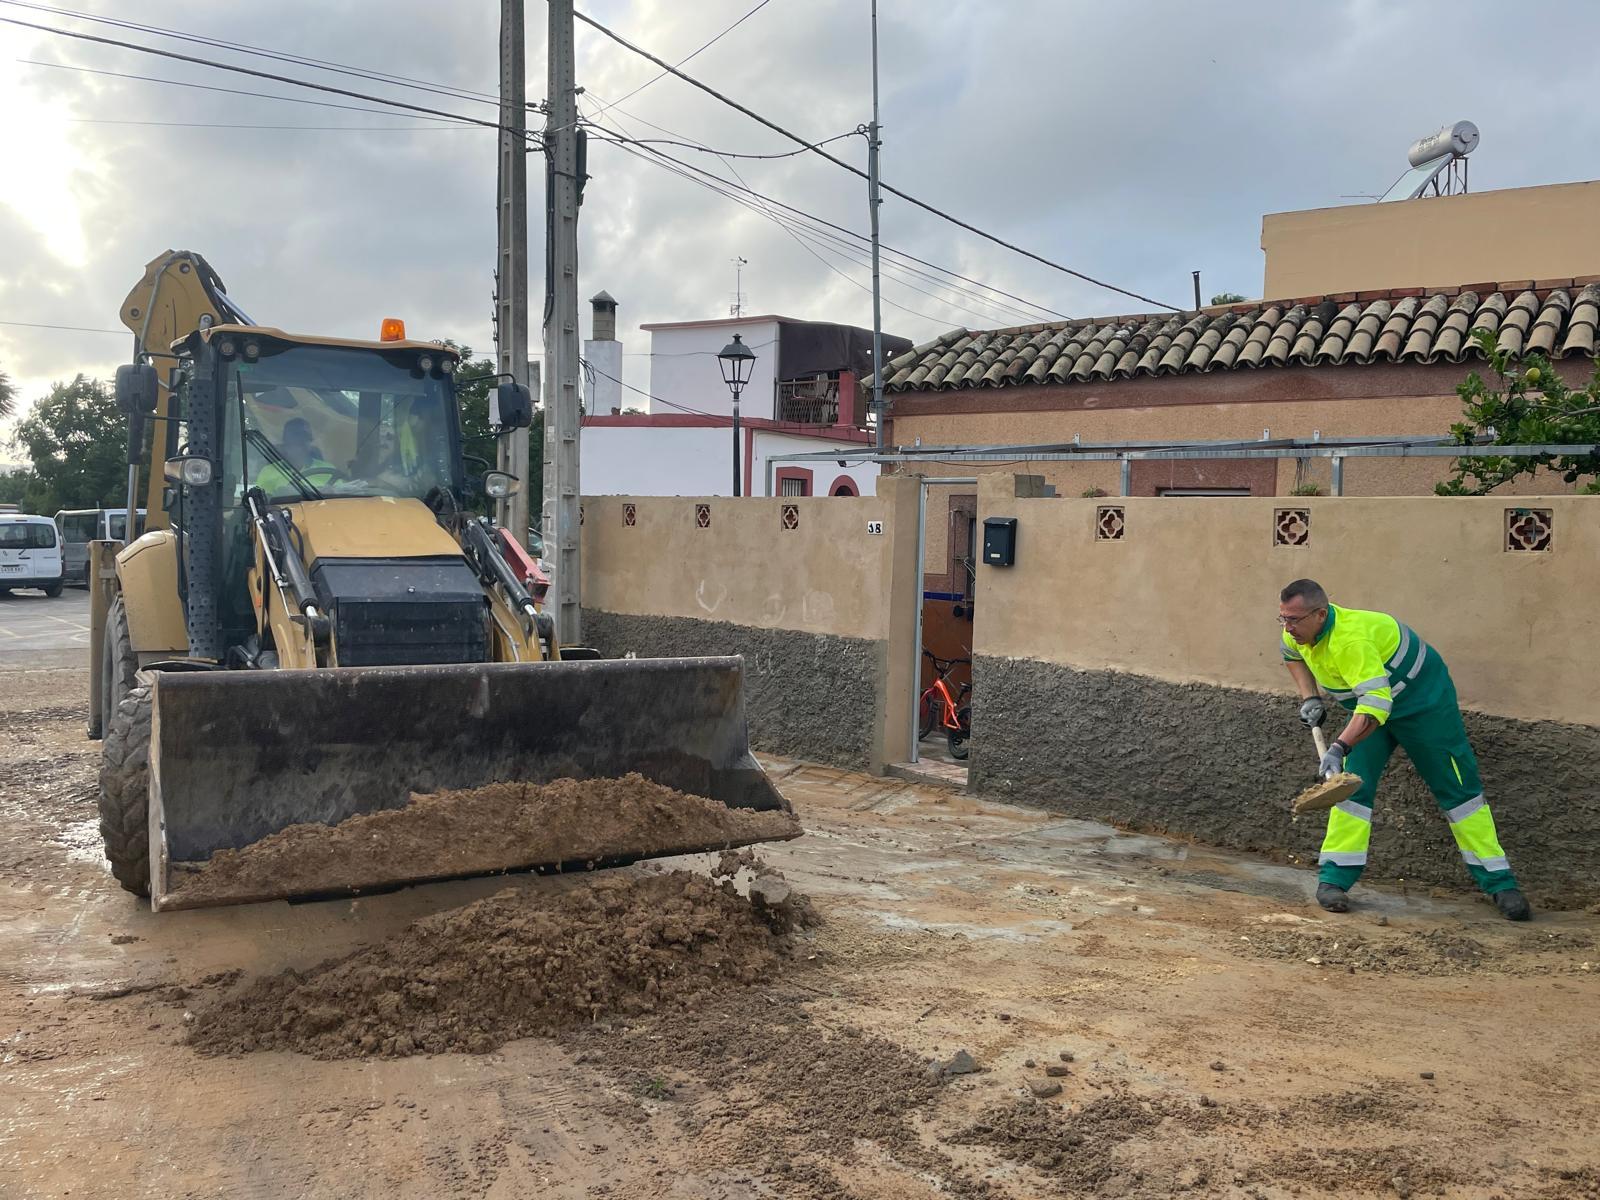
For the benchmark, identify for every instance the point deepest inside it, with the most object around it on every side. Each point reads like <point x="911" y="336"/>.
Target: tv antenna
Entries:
<point x="736" y="309"/>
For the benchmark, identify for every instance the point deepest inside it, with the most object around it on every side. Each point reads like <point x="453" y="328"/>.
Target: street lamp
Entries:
<point x="736" y="359"/>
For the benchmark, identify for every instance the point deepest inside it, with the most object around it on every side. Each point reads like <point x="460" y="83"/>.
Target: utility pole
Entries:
<point x="873" y="202"/>
<point x="511" y="263"/>
<point x="562" y="417"/>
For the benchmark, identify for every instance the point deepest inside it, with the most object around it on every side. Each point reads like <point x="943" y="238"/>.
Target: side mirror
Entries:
<point x="497" y="485"/>
<point x="510" y="407"/>
<point x="136" y="388"/>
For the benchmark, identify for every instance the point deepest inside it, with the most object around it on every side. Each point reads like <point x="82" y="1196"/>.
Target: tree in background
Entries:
<point x="1227" y="298"/>
<point x="476" y="440"/>
<point x="8" y="397"/>
<point x="76" y="438"/>
<point x="1532" y="406"/>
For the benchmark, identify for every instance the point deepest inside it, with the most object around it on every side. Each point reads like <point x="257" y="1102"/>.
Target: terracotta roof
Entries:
<point x="1405" y="325"/>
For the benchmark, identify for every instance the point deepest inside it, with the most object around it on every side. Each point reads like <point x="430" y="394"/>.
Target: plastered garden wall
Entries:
<point x="800" y="587"/>
<point x="1127" y="666"/>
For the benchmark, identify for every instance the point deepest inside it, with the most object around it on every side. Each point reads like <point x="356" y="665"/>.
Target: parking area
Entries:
<point x="37" y="631"/>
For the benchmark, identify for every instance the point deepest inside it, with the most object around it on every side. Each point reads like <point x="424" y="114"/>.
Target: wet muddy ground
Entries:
<point x="1211" y="1034"/>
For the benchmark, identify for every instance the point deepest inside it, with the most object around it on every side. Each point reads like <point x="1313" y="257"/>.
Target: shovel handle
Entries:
<point x="1321" y="741"/>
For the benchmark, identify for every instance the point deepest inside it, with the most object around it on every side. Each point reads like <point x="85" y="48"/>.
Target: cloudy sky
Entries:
<point x="1135" y="142"/>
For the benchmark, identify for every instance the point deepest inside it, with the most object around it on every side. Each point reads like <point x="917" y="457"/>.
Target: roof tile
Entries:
<point x="1411" y="325"/>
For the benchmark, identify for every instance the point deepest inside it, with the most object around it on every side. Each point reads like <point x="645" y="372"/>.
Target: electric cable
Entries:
<point x="687" y="57"/>
<point x="861" y="237"/>
<point x="839" y="162"/>
<point x="244" y="48"/>
<point x="289" y="79"/>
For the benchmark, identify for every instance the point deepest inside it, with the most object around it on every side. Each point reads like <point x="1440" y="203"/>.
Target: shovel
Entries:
<point x="1325" y="793"/>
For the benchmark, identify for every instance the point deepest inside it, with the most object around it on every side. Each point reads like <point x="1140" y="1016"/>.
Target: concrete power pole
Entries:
<point x="511" y="263"/>
<point x="874" y="202"/>
<point x="562" y="419"/>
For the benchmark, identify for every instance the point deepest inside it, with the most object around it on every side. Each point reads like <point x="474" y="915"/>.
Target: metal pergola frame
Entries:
<point x="1127" y="453"/>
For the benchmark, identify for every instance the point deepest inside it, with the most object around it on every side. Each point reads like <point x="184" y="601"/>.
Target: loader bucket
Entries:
<point x="239" y="756"/>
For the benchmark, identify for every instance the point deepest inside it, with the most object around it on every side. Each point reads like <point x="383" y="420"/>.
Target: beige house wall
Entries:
<point x="1190" y="601"/>
<point x="829" y="575"/>
<point x="1519" y="234"/>
<point x="1396" y="416"/>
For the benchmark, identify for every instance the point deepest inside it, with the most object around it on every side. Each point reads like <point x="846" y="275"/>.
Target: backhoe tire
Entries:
<point x="119" y="665"/>
<point x="125" y="791"/>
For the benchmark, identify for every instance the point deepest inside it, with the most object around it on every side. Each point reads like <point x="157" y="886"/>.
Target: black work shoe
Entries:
<point x="1336" y="899"/>
<point x="1513" y="905"/>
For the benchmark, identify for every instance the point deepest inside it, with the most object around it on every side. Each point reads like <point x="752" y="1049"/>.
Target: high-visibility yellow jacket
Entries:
<point x="1367" y="658"/>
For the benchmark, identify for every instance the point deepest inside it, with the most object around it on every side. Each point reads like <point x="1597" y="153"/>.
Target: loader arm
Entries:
<point x="178" y="294"/>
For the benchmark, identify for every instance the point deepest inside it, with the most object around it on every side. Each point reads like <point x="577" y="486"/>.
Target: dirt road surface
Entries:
<point x="1211" y="1034"/>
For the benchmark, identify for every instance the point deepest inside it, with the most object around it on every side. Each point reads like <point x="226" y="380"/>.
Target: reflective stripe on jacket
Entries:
<point x="1365" y="657"/>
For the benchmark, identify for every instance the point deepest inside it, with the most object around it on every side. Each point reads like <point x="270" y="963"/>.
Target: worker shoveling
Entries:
<point x="1326" y="793"/>
<point x="320" y="672"/>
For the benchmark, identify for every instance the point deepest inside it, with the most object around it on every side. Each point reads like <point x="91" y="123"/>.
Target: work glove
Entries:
<point x="1333" y="761"/>
<point x="1313" y="712"/>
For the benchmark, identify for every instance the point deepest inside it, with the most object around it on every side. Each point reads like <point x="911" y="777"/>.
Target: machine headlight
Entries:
<point x="193" y="470"/>
<point x="252" y="350"/>
<point x="425" y="363"/>
<point x="227" y="348"/>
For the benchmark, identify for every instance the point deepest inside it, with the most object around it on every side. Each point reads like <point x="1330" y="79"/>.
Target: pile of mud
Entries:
<point x="499" y="827"/>
<point x="521" y="963"/>
<point x="800" y="1104"/>
<point x="1076" y="1148"/>
<point x="1415" y="952"/>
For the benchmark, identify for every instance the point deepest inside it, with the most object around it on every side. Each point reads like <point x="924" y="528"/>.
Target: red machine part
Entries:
<point x="524" y="564"/>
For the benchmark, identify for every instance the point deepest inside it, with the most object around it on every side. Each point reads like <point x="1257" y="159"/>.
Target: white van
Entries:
<point x="80" y="526"/>
<point x="30" y="554"/>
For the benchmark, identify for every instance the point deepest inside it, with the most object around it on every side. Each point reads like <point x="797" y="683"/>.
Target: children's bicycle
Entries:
<point x="944" y="708"/>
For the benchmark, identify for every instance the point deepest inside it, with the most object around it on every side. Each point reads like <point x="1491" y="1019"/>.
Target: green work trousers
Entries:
<point x="1427" y="725"/>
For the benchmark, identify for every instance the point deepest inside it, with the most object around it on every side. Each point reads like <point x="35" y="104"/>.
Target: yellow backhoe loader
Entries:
<point x="315" y="626"/>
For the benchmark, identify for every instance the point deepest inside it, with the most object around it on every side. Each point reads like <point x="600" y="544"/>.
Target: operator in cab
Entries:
<point x="300" y="451"/>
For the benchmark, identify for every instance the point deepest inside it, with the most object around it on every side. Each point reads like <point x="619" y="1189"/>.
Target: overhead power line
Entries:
<point x="1029" y="314"/>
<point x="727" y="153"/>
<point x="261" y="52"/>
<point x="839" y="162"/>
<point x="687" y="57"/>
<point x="452" y="127"/>
<point x="211" y="87"/>
<point x="589" y="366"/>
<point x="810" y="239"/>
<point x="70" y="328"/>
<point x="289" y="79"/>
<point x="809" y="242"/>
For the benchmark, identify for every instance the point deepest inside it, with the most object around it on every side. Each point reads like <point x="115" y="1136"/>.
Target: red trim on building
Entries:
<point x="832" y="433"/>
<point x="803" y="474"/>
<point x="748" y="483"/>
<point x="845" y="482"/>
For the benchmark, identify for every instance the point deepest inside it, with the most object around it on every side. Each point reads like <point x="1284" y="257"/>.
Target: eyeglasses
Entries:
<point x="1289" y="622"/>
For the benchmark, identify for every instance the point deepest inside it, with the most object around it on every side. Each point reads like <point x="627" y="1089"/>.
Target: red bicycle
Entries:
<point x="939" y="707"/>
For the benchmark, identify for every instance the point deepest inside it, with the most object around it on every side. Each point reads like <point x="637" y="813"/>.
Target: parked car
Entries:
<point x="30" y="554"/>
<point x="80" y="526"/>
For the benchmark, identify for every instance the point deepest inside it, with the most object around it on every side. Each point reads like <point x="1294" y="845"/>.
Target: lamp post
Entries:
<point x="736" y="359"/>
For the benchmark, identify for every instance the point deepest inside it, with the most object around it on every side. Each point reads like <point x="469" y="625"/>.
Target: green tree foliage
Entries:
<point x="1227" y="298"/>
<point x="76" y="439"/>
<point x="15" y="486"/>
<point x="477" y="441"/>
<point x="8" y="397"/>
<point x="1532" y="405"/>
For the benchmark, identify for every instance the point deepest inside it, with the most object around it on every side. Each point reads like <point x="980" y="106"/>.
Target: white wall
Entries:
<point x="634" y="461"/>
<point x="823" y="474"/>
<point x="602" y="387"/>
<point x="684" y="370"/>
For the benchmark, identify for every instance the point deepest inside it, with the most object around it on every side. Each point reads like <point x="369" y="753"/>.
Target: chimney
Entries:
<point x="603" y="382"/>
<point x="605" y="317"/>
